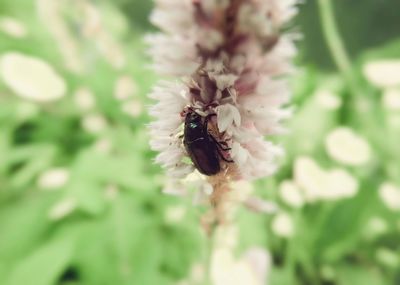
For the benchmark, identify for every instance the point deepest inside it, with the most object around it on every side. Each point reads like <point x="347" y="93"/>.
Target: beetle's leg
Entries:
<point x="223" y="157"/>
<point x="219" y="144"/>
<point x="206" y="130"/>
<point x="207" y="119"/>
<point x="220" y="148"/>
<point x="225" y="144"/>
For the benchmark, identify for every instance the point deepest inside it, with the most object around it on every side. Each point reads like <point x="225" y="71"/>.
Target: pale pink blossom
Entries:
<point x="229" y="59"/>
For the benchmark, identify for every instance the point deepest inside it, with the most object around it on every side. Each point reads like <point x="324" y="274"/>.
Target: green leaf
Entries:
<point x="352" y="275"/>
<point x="23" y="225"/>
<point x="279" y="276"/>
<point x="90" y="197"/>
<point x="389" y="50"/>
<point x="44" y="265"/>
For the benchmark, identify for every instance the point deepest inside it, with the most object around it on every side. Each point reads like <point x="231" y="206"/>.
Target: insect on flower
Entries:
<point x="203" y="148"/>
<point x="230" y="59"/>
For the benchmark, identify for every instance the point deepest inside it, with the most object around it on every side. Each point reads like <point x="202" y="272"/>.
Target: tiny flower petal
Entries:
<point x="227" y="116"/>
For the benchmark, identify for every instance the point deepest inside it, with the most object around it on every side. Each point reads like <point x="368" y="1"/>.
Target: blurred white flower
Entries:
<point x="94" y="123"/>
<point x="125" y="88"/>
<point x="226" y="236"/>
<point x="387" y="257"/>
<point x="196" y="276"/>
<point x="375" y="227"/>
<point x="95" y="30"/>
<point x="260" y="261"/>
<point x="309" y="177"/>
<point x="241" y="194"/>
<point x="62" y="209"/>
<point x="291" y="194"/>
<point x="340" y="185"/>
<point x="13" y="27"/>
<point x="282" y="225"/>
<point x="241" y="190"/>
<point x="383" y="73"/>
<point x="31" y="78"/>
<point x="103" y="145"/>
<point x="92" y="23"/>
<point x="345" y="146"/>
<point x="251" y="269"/>
<point x="84" y="99"/>
<point x="132" y="108"/>
<point x="53" y="178"/>
<point x="112" y="52"/>
<point x="193" y="181"/>
<point x="259" y="205"/>
<point x="391" y="99"/>
<point x="319" y="184"/>
<point x="328" y="100"/>
<point x="174" y="188"/>
<point x="175" y="214"/>
<point x="51" y="14"/>
<point x="390" y="196"/>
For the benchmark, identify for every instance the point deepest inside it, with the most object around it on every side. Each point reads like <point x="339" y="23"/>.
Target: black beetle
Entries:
<point x="202" y="148"/>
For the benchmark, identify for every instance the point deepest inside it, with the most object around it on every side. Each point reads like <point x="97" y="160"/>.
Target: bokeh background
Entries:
<point x="80" y="197"/>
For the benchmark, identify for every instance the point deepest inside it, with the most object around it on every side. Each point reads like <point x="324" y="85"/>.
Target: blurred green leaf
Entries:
<point x="24" y="224"/>
<point x="352" y="275"/>
<point x="44" y="266"/>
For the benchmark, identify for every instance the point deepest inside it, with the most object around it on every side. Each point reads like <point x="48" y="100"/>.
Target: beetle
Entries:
<point x="203" y="149"/>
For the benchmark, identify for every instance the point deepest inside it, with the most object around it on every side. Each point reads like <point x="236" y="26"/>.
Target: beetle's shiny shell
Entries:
<point x="201" y="149"/>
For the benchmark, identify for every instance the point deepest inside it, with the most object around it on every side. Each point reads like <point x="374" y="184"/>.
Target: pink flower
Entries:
<point x="230" y="59"/>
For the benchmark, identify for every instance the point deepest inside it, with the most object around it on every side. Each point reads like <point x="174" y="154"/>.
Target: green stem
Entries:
<point x="335" y="44"/>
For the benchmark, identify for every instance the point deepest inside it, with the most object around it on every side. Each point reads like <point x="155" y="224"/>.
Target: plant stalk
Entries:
<point x="336" y="45"/>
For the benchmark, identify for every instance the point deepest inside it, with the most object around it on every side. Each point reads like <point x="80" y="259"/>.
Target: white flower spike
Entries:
<point x="229" y="57"/>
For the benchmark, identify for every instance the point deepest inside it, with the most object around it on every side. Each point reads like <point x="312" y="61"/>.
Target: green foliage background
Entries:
<point x="126" y="239"/>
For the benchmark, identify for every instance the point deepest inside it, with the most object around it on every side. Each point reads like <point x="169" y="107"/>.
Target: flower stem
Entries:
<point x="215" y="219"/>
<point x="336" y="45"/>
<point x="208" y="261"/>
